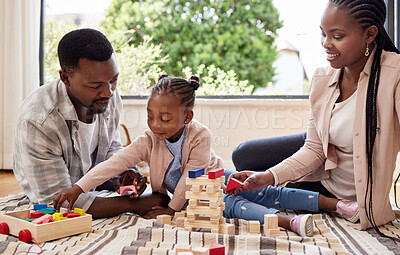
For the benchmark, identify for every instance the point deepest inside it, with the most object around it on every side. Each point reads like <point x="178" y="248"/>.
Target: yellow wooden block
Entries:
<point x="271" y="221"/>
<point x="80" y="211"/>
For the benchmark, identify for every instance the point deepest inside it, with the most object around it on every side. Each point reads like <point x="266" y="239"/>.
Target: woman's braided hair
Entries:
<point x="180" y="87"/>
<point x="368" y="13"/>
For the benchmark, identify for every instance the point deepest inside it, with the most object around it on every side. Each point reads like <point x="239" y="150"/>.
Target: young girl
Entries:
<point x="175" y="144"/>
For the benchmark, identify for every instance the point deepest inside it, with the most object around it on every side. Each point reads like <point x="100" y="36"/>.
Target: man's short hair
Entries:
<point x="83" y="43"/>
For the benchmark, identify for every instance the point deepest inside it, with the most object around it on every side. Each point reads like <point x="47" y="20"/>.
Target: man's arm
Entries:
<point x="39" y="164"/>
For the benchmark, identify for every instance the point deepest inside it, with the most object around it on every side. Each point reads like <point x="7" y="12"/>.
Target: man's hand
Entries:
<point x="131" y="177"/>
<point x="252" y="181"/>
<point x="158" y="210"/>
<point x="71" y="195"/>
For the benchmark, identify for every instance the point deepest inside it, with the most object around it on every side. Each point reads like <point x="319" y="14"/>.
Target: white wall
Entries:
<point x="232" y="121"/>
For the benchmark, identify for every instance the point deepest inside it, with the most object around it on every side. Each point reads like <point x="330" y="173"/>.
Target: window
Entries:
<point x="297" y="44"/>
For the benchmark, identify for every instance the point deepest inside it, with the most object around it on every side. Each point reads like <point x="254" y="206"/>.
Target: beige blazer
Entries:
<point x="196" y="152"/>
<point x="318" y="152"/>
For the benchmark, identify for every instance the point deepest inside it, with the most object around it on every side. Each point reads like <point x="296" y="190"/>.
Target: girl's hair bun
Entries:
<point x="162" y="76"/>
<point x="194" y="81"/>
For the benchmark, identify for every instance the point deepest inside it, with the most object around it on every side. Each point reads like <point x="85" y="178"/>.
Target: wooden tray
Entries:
<point x="47" y="231"/>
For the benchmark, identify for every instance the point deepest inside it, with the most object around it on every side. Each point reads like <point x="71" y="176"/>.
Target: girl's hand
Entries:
<point x="71" y="195"/>
<point x="252" y="181"/>
<point x="132" y="177"/>
<point x="158" y="210"/>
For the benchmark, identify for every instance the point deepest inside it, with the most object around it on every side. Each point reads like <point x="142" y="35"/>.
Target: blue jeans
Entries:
<point x="252" y="205"/>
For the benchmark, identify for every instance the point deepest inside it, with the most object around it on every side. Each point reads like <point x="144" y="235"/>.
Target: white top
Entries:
<point x="88" y="134"/>
<point x="341" y="180"/>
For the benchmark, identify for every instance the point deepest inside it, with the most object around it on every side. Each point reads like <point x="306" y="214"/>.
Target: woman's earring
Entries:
<point x="366" y="51"/>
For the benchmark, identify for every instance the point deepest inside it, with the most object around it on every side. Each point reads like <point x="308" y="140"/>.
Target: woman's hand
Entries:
<point x="252" y="181"/>
<point x="158" y="210"/>
<point x="132" y="177"/>
<point x="71" y="195"/>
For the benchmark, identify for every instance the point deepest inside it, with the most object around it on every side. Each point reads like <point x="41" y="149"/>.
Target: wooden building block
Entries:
<point x="128" y="188"/>
<point x="227" y="228"/>
<point x="72" y="215"/>
<point x="203" y="180"/>
<point x="180" y="222"/>
<point x="271" y="232"/>
<point x="196" y="172"/>
<point x="254" y="227"/>
<point x="57" y="216"/>
<point x="80" y="211"/>
<point x="42" y="218"/>
<point x="180" y="214"/>
<point x="271" y="221"/>
<point x="232" y="184"/>
<point x="216" y="173"/>
<point x="38" y="207"/>
<point x="196" y="188"/>
<point x="165" y="218"/>
<point x="200" y="251"/>
<point x="35" y="215"/>
<point x="182" y="248"/>
<point x="217" y="249"/>
<point x="204" y="196"/>
<point x="47" y="220"/>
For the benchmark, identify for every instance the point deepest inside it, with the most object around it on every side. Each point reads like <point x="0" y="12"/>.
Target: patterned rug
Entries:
<point x="130" y="234"/>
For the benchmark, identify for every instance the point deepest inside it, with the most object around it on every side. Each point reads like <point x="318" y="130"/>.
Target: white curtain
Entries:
<point x="19" y="65"/>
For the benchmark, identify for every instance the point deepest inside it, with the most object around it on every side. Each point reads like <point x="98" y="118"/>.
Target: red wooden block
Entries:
<point x="25" y="236"/>
<point x="4" y="228"/>
<point x="232" y="184"/>
<point x="35" y="215"/>
<point x="216" y="173"/>
<point x="48" y="220"/>
<point x="217" y="249"/>
<point x="71" y="215"/>
<point x="124" y="189"/>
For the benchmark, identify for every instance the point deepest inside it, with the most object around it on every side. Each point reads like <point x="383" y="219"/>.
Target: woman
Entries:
<point x="354" y="128"/>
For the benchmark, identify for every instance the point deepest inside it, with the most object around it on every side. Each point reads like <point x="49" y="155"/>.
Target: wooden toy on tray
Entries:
<point x="44" y="223"/>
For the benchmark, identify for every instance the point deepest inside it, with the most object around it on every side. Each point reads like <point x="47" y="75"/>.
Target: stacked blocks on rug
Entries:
<point x="206" y="205"/>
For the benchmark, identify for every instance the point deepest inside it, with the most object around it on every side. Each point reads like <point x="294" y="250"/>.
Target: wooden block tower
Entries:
<point x="206" y="203"/>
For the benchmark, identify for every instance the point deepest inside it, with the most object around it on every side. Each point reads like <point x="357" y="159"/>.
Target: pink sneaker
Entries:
<point x="302" y="224"/>
<point x="348" y="209"/>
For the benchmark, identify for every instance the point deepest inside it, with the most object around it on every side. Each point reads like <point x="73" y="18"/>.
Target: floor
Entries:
<point x="8" y="183"/>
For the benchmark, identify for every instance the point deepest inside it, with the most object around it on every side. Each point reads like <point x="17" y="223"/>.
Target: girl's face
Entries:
<point x="343" y="39"/>
<point x="166" y="117"/>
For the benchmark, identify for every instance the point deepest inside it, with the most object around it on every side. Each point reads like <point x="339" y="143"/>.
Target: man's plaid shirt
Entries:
<point x="47" y="156"/>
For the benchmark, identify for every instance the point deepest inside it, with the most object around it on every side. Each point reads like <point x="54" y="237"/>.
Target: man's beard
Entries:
<point x="95" y="111"/>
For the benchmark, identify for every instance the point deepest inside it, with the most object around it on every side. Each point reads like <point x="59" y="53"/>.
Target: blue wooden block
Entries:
<point x="47" y="209"/>
<point x="38" y="207"/>
<point x="196" y="172"/>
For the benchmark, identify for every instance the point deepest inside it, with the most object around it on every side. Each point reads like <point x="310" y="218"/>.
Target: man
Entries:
<point x="66" y="127"/>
